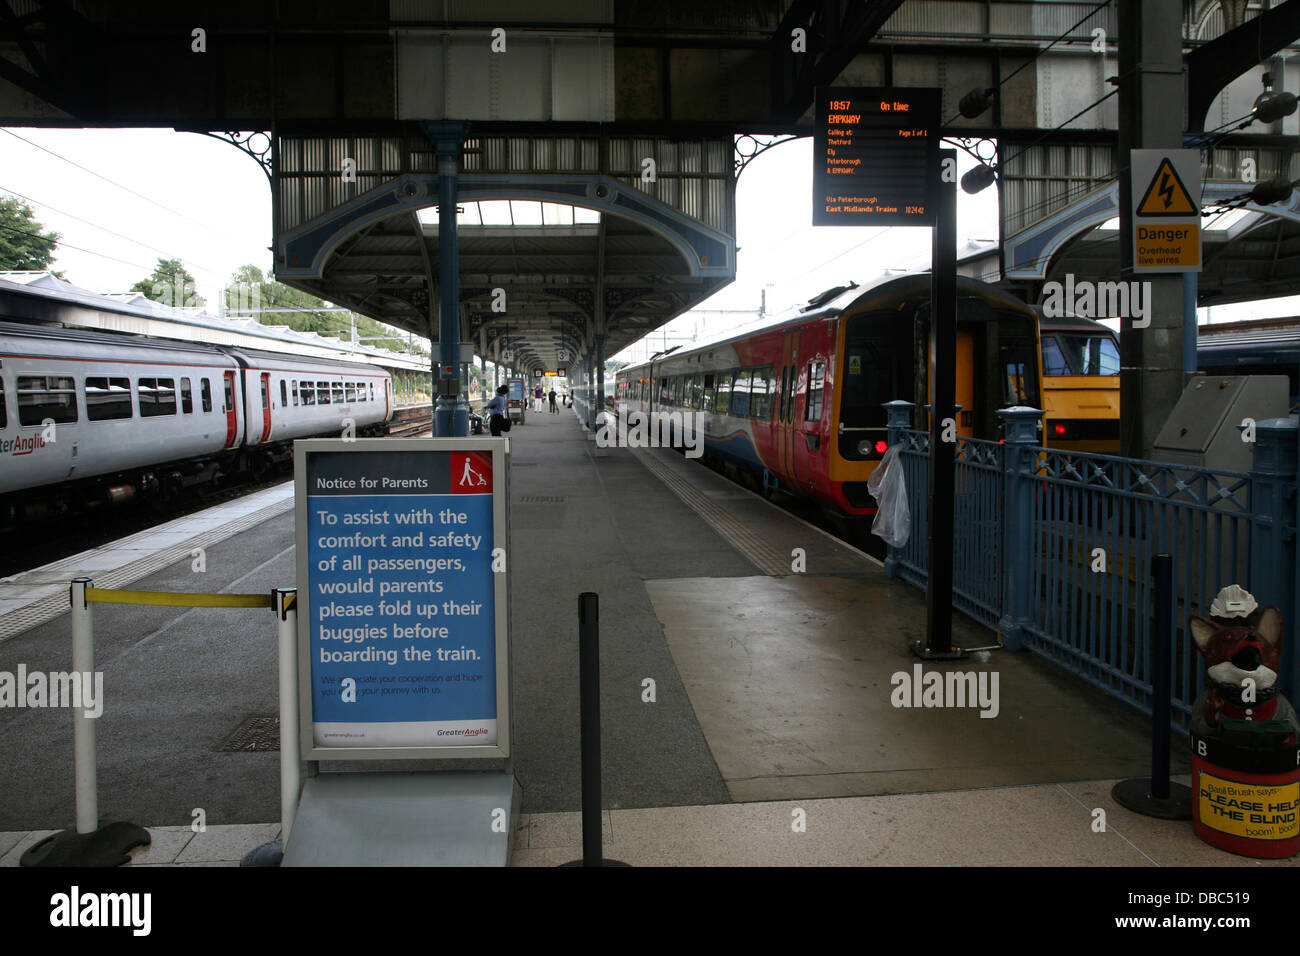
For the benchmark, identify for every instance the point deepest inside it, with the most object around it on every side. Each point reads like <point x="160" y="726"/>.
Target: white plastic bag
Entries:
<point x="893" y="517"/>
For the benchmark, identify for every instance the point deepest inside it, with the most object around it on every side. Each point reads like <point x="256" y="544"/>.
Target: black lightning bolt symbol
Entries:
<point x="1166" y="189"/>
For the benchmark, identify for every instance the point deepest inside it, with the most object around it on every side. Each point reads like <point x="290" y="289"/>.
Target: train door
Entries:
<point x="964" y="386"/>
<point x="232" y="417"/>
<point x="806" y="435"/>
<point x="388" y="392"/>
<point x="266" y="407"/>
<point x="786" y="410"/>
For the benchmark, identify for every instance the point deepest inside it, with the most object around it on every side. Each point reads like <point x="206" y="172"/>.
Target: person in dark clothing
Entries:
<point x="499" y="412"/>
<point x="554" y="409"/>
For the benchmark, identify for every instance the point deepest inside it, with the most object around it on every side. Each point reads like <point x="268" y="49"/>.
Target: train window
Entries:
<point x="740" y="393"/>
<point x="1085" y="355"/>
<point x="1053" y="359"/>
<point x="266" y="398"/>
<point x="107" y="398"/>
<point x="322" y="393"/>
<point x="694" y="392"/>
<point x="350" y="391"/>
<point x="4" y="411"/>
<point x="1015" y="358"/>
<point x="187" y="399"/>
<point x="307" y="391"/>
<point x="336" y="390"/>
<point x="284" y="394"/>
<point x="816" y="379"/>
<point x="722" y="396"/>
<point x="157" y="396"/>
<point x="372" y="391"/>
<point x="760" y="394"/>
<point x="42" y="397"/>
<point x="205" y="394"/>
<point x="293" y="390"/>
<point x="706" y="394"/>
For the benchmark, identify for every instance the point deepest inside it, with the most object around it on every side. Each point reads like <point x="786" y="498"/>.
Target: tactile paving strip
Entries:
<point x="48" y="608"/>
<point x="732" y="530"/>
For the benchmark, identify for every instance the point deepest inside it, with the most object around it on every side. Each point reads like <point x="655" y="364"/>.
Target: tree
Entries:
<point x="170" y="284"/>
<point x="250" y="290"/>
<point x="23" y="242"/>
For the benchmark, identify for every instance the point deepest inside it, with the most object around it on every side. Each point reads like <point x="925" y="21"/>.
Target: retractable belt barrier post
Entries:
<point x="92" y="845"/>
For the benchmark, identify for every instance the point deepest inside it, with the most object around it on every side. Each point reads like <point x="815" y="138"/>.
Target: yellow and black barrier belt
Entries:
<point x="174" y="599"/>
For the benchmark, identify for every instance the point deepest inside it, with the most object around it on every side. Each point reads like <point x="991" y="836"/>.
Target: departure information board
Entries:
<point x="875" y="156"/>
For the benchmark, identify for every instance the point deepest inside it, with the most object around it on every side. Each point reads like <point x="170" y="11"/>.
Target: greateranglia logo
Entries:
<point x="654" y="430"/>
<point x="1098" y="300"/>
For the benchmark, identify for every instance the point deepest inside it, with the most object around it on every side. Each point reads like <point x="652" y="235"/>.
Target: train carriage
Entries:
<point x="800" y="404"/>
<point x="97" y="417"/>
<point x="1080" y="385"/>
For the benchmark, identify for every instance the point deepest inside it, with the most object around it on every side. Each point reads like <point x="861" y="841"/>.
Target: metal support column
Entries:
<point x="1150" y="117"/>
<point x="451" y="416"/>
<point x="943" y="386"/>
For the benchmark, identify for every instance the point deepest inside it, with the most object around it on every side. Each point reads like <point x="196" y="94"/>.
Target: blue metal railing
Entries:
<point x="1054" y="548"/>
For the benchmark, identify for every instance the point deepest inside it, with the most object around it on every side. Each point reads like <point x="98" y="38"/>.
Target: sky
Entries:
<point x="209" y="204"/>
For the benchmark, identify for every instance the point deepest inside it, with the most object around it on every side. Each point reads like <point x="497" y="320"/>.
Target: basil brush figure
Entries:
<point x="1242" y="646"/>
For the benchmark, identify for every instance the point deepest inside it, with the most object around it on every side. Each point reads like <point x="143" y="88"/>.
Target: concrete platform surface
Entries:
<point x="1045" y="825"/>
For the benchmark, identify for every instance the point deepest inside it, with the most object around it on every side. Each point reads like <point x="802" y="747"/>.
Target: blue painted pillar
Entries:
<point x="1020" y="426"/>
<point x="898" y="418"/>
<point x="451" y="414"/>
<point x="1272" y="540"/>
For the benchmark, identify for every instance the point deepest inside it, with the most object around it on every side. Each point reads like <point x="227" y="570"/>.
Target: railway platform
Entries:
<point x="774" y="681"/>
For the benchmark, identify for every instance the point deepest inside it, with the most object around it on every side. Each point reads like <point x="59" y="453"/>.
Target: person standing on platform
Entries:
<point x="537" y="399"/>
<point x="498" y="411"/>
<point x="554" y="408"/>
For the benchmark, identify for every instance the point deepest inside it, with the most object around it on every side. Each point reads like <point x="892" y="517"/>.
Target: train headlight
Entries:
<point x="864" y="447"/>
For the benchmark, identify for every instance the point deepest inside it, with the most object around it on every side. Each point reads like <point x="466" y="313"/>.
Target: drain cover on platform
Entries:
<point x="260" y="732"/>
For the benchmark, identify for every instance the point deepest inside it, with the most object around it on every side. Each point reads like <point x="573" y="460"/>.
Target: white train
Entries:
<point x="99" y="416"/>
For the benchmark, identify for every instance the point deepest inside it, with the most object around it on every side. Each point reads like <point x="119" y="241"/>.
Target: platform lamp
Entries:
<point x="972" y="105"/>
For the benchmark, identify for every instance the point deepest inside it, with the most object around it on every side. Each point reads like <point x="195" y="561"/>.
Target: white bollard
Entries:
<point x="83" y="727"/>
<point x="289" y="768"/>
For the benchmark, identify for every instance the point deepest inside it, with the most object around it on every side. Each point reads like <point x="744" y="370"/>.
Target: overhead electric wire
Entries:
<point x="1090" y="13"/>
<point x="137" y="242"/>
<point x="120" y="186"/>
<point x="68" y="245"/>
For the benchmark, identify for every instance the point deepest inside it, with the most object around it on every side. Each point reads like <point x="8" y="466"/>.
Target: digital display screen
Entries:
<point x="875" y="156"/>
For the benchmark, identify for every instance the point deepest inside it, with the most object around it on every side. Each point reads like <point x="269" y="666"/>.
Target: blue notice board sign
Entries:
<point x="403" y="599"/>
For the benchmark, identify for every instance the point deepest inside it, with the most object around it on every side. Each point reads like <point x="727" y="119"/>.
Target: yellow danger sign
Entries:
<point x="1254" y="811"/>
<point x="1166" y="195"/>
<point x="1167" y="247"/>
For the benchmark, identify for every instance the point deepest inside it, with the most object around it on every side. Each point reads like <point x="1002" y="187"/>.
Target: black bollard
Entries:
<point x="1155" y="796"/>
<point x="589" y="725"/>
<point x="589" y="702"/>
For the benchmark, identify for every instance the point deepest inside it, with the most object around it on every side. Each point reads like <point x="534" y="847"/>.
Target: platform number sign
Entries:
<point x="562" y="355"/>
<point x="507" y="355"/>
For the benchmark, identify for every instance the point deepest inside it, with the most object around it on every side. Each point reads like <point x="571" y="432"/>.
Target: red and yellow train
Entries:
<point x="800" y="404"/>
